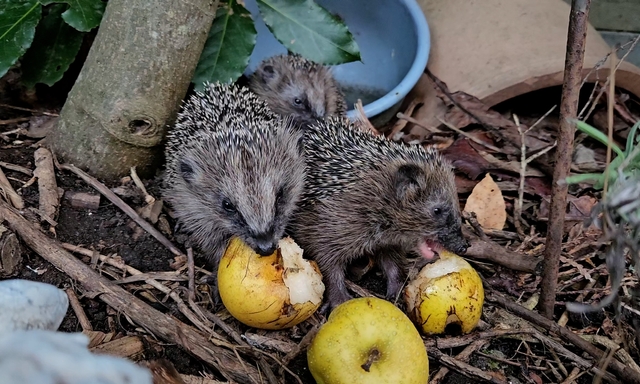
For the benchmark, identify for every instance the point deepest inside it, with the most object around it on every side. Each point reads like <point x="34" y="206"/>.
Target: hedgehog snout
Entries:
<point x="454" y="241"/>
<point x="264" y="244"/>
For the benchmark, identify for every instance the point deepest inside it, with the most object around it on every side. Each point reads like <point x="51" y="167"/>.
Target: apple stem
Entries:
<point x="374" y="355"/>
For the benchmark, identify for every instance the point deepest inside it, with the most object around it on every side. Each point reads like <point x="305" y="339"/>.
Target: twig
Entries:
<point x="16" y="168"/>
<point x="159" y="324"/>
<point x="13" y="121"/>
<point x="123" y="206"/>
<point x="460" y="341"/>
<point x="364" y="123"/>
<point x="77" y="309"/>
<point x="468" y="136"/>
<point x="47" y="187"/>
<point x="444" y="90"/>
<point x="610" y="104"/>
<point x="411" y="120"/>
<point x="462" y="356"/>
<point x="28" y="110"/>
<point x="556" y="347"/>
<point x="171" y="293"/>
<point x="136" y="180"/>
<point x="524" y="161"/>
<point x="507" y="361"/>
<point x="191" y="273"/>
<point x="9" y="192"/>
<point x="568" y="109"/>
<point x="464" y="368"/>
<point x="592" y="102"/>
<point x="622" y="370"/>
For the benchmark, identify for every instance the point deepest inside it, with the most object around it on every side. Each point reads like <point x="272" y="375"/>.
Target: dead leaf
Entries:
<point x="466" y="159"/>
<point x="487" y="203"/>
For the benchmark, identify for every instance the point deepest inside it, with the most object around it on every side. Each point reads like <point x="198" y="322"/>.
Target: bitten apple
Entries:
<point x="368" y="341"/>
<point x="446" y="292"/>
<point x="269" y="292"/>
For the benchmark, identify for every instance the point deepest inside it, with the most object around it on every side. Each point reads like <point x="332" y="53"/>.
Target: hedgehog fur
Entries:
<point x="234" y="168"/>
<point x="366" y="195"/>
<point x="295" y="86"/>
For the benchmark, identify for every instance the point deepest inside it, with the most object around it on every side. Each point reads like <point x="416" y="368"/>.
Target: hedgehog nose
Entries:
<point x="265" y="248"/>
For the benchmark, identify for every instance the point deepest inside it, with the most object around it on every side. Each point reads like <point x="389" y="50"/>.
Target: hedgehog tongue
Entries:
<point x="426" y="248"/>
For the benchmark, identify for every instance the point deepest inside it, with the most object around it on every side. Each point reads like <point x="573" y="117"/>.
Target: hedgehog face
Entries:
<point x="249" y="191"/>
<point x="296" y="87"/>
<point x="430" y="217"/>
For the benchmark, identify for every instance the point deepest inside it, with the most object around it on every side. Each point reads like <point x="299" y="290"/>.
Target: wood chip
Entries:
<point x="10" y="253"/>
<point x="83" y="200"/>
<point x="7" y="190"/>
<point x="47" y="187"/>
<point x="127" y="346"/>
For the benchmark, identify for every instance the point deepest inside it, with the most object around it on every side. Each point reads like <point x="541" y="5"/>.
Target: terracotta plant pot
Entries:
<point x="499" y="49"/>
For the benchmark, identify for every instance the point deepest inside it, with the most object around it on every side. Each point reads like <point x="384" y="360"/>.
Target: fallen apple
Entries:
<point x="446" y="293"/>
<point x="368" y="341"/>
<point x="269" y="292"/>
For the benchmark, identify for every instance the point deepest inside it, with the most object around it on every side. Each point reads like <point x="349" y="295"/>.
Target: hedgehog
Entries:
<point x="298" y="87"/>
<point x="234" y="168"/>
<point x="367" y="196"/>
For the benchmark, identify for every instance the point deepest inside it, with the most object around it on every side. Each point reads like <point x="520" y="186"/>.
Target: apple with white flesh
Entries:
<point x="447" y="292"/>
<point x="269" y="292"/>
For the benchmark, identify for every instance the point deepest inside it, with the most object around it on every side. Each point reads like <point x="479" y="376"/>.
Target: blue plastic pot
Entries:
<point x="394" y="42"/>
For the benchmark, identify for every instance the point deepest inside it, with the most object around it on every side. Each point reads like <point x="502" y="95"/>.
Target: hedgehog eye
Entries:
<point x="279" y="196"/>
<point x="297" y="101"/>
<point x="228" y="206"/>
<point x="437" y="211"/>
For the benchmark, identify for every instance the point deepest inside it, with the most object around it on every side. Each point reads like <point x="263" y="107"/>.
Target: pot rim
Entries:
<point x="423" y="45"/>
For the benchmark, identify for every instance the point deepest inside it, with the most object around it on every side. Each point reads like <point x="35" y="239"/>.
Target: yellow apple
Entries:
<point x="368" y="341"/>
<point x="269" y="292"/>
<point x="446" y="292"/>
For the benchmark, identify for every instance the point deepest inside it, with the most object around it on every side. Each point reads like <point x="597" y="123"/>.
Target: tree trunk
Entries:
<point x="131" y="85"/>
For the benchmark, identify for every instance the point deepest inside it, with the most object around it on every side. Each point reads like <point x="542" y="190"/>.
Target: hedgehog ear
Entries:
<point x="267" y="73"/>
<point x="187" y="171"/>
<point x="409" y="178"/>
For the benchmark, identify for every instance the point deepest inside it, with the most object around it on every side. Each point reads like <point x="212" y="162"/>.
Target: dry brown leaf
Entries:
<point x="487" y="203"/>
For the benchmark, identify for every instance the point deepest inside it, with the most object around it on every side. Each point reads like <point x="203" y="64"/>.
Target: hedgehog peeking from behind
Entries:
<point x="369" y="196"/>
<point x="234" y="168"/>
<point x="295" y="86"/>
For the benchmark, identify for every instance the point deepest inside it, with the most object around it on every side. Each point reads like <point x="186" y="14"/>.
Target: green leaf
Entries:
<point x="84" y="15"/>
<point x="18" y="20"/>
<point x="584" y="177"/>
<point x="596" y="134"/>
<point x="631" y="138"/>
<point x="306" y="28"/>
<point x="54" y="48"/>
<point x="228" y="48"/>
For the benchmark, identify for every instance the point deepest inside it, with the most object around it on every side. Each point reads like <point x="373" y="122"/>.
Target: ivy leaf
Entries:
<point x="54" y="48"/>
<point x="18" y="21"/>
<point x="228" y="48"/>
<point x="306" y="28"/>
<point x="84" y="15"/>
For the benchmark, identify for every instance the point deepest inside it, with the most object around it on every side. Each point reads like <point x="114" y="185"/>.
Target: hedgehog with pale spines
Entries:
<point x="234" y="168"/>
<point x="366" y="195"/>
<point x="295" y="86"/>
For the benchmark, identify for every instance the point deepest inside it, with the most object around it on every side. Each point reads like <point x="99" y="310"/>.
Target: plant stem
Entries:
<point x="578" y="23"/>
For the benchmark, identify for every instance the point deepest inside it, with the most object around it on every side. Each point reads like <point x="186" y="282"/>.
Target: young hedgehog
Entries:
<point x="367" y="195"/>
<point x="295" y="86"/>
<point x="234" y="168"/>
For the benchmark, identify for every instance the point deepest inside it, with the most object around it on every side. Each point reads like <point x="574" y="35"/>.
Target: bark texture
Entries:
<point x="576" y="38"/>
<point x="131" y="85"/>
